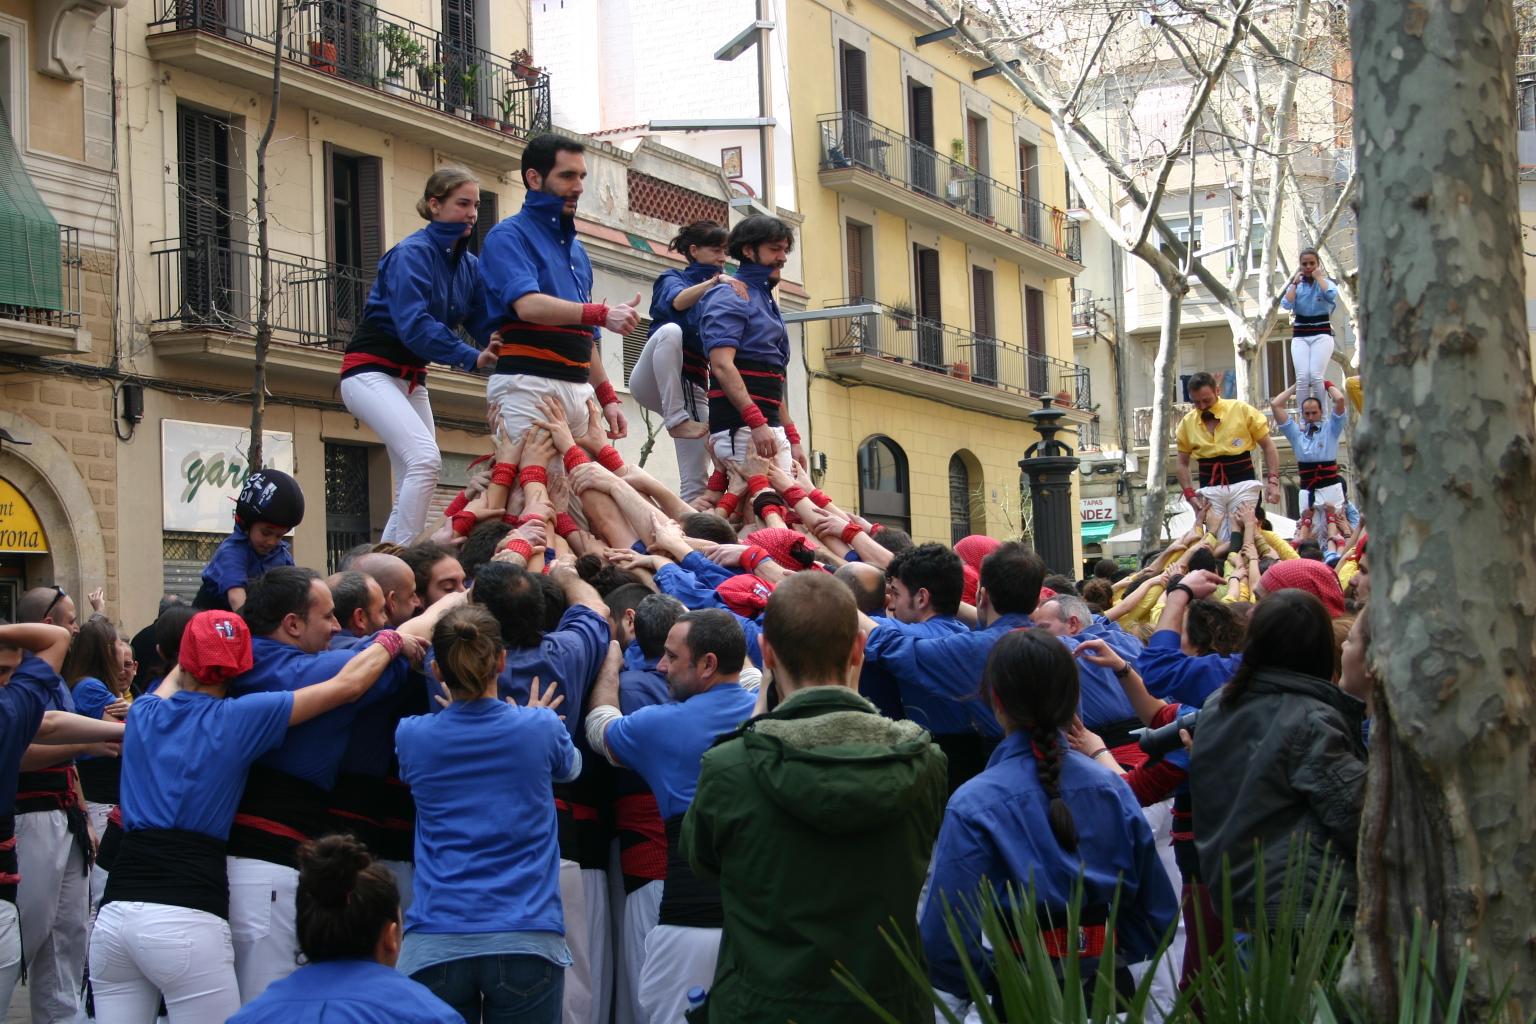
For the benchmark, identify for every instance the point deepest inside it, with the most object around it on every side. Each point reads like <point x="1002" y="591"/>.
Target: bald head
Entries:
<point x="48" y="605"/>
<point x="867" y="583"/>
<point x="397" y="581"/>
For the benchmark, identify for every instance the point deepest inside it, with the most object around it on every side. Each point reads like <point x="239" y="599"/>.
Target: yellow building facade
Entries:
<point x="938" y="262"/>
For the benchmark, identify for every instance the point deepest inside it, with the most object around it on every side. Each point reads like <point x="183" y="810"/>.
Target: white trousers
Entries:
<point x="657" y="384"/>
<point x="1165" y="983"/>
<point x="1333" y="495"/>
<point x="735" y="445"/>
<point x="588" y="981"/>
<point x="141" y="951"/>
<point x="402" y="418"/>
<point x="263" y="925"/>
<point x="676" y="960"/>
<point x="516" y="397"/>
<point x="53" y="903"/>
<point x="10" y="955"/>
<point x="1309" y="357"/>
<point x="641" y="909"/>
<point x="1228" y="498"/>
<point x="97" y="815"/>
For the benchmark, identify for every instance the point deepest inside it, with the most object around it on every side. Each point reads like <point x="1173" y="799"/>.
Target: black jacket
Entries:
<point x="1285" y="763"/>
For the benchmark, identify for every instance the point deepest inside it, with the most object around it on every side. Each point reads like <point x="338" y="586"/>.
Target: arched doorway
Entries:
<point x="884" y="496"/>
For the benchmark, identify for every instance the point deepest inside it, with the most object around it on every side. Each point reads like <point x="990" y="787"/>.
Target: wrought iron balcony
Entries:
<point x="358" y="43"/>
<point x="853" y="141"/>
<point x="48" y="293"/>
<point x="940" y="360"/>
<point x="1084" y="310"/>
<point x="211" y="283"/>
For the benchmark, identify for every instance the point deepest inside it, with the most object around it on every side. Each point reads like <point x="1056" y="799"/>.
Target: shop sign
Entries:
<point x="203" y="467"/>
<point x="20" y="532"/>
<point x="1099" y="510"/>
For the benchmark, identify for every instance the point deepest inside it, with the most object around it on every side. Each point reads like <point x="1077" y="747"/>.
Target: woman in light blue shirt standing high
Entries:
<point x="1311" y="297"/>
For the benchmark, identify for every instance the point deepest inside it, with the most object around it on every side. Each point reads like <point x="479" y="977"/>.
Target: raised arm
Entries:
<point x="1280" y="403"/>
<point x="47" y="641"/>
<point x="354" y="680"/>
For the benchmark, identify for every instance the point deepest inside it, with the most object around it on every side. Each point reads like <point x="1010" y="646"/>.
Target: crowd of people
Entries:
<point x="598" y="749"/>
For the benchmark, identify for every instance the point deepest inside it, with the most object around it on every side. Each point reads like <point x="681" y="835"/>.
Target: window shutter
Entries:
<point x="459" y="23"/>
<point x="1034" y="330"/>
<point x="856" y="290"/>
<point x="928" y="283"/>
<point x="981" y="297"/>
<point x="370" y="213"/>
<point x="973" y="141"/>
<point x="855" y="86"/>
<point x="922" y="114"/>
<point x="30" y="257"/>
<point x="634" y="342"/>
<point x="204" y="178"/>
<point x="487" y="220"/>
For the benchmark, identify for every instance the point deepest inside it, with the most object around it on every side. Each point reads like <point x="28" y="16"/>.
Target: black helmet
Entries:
<point x="269" y="496"/>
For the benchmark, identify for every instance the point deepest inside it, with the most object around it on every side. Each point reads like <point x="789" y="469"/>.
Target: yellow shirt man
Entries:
<point x="1222" y="434"/>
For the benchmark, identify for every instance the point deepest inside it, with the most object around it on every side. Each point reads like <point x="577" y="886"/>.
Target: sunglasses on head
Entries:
<point x="58" y="595"/>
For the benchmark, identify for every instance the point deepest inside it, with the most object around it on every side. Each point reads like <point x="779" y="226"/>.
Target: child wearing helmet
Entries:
<point x="269" y="507"/>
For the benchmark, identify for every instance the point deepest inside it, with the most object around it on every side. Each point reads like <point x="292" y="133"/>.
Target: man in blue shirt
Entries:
<point x="748" y="350"/>
<point x="940" y="676"/>
<point x="702" y="659"/>
<point x="925" y="584"/>
<point x="1316" y="446"/>
<point x="538" y="286"/>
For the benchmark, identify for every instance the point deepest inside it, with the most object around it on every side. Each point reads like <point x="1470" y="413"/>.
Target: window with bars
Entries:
<point x="959" y="499"/>
<point x="183" y="556"/>
<point x="346" y="501"/>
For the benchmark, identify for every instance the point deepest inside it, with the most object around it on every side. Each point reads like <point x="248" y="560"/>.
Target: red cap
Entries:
<point x="745" y="595"/>
<point x="787" y="547"/>
<point x="216" y="647"/>
<point x="1316" y="578"/>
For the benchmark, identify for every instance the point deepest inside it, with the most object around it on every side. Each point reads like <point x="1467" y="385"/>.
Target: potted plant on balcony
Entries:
<point x="507" y="106"/>
<point x="322" y="55"/>
<point x="960" y="370"/>
<point x="903" y="315"/>
<point x="428" y="75"/>
<point x="402" y="52"/>
<point x="469" y="78"/>
<point x="524" y="68"/>
<point x="1064" y="398"/>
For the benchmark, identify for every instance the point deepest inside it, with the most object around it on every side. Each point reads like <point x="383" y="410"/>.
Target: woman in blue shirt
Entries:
<point x="163" y="927"/>
<point x="1043" y="817"/>
<point x="1311" y="298"/>
<point x="93" y="671"/>
<point x="428" y="286"/>
<point x="349" y="934"/>
<point x="486" y="931"/>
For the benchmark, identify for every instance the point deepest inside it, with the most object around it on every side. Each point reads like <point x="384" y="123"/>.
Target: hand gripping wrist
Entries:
<point x="728" y="503"/>
<point x="518" y="545"/>
<point x="503" y="474"/>
<point x="609" y="458"/>
<point x="390" y="641"/>
<point x="851" y="531"/>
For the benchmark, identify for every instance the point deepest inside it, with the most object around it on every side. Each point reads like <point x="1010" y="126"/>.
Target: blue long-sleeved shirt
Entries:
<point x="487" y="860"/>
<point x="346" y="992"/>
<point x="665" y="290"/>
<point x="1172" y="675"/>
<point x="751" y="326"/>
<point x="33" y="689"/>
<point x="1312" y="301"/>
<point x="883" y="689"/>
<point x="1318" y="445"/>
<point x="233" y="564"/>
<point x="940" y="676"/>
<point x="997" y="827"/>
<point x="570" y="655"/>
<point x="535" y="251"/>
<point x="311" y="751"/>
<point x="1101" y="700"/>
<point x="428" y="286"/>
<point x="693" y="582"/>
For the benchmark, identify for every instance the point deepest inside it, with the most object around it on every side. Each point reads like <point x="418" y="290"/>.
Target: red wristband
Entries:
<point x="758" y="482"/>
<point x="1189" y="493"/>
<point x="875" y="528"/>
<point x="753" y="417"/>
<point x="772" y="510"/>
<point x="820" y="498"/>
<point x="390" y="641"/>
<point x="729" y="502"/>
<point x="752" y="558"/>
<point x="718" y="482"/>
<point x="792" y="433"/>
<point x="795" y="495"/>
<point x="457" y="504"/>
<point x="593" y="314"/>
<point x="463" y="522"/>
<point x="503" y="474"/>
<point x="574" y="457"/>
<point x="512" y="520"/>
<point x="609" y="458"/>
<point x="851" y="531"/>
<point x="605" y="394"/>
<point x="534" y="475"/>
<point x="521" y="547"/>
<point x="565" y="525"/>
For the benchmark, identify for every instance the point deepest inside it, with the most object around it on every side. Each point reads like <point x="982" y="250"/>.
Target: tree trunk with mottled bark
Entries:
<point x="1445" y="449"/>
<point x="1163" y="366"/>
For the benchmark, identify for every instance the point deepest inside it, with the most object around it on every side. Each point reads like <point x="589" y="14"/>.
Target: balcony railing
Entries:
<point x="944" y="349"/>
<point x="211" y="283"/>
<point x="41" y="300"/>
<point x="1141" y="422"/>
<point x="1084" y="310"/>
<point x="359" y="43"/>
<point x="853" y="140"/>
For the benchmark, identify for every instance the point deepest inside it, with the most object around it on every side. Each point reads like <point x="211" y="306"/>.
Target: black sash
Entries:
<point x="1310" y="326"/>
<point x="10" y="871"/>
<point x="1221" y="470"/>
<point x="555" y="353"/>
<point x="52" y="789"/>
<point x="277" y="813"/>
<point x="100" y="778"/>
<point x="375" y="339"/>
<point x="765" y="386"/>
<point x="1317" y="475"/>
<point x="171" y="867"/>
<point x="687" y="901"/>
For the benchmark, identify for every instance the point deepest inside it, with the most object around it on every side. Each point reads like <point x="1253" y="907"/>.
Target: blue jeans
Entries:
<point x="499" y="989"/>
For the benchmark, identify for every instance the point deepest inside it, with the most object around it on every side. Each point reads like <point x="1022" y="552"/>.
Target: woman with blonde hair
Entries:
<point x="428" y="287"/>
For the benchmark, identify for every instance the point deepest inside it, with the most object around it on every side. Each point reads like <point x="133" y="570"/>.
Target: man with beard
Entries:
<point x="538" y="284"/>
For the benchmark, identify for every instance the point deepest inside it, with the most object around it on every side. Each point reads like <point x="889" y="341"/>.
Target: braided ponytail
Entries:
<point x="1034" y="679"/>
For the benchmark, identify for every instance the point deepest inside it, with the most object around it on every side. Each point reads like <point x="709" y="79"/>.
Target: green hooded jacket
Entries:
<point x="819" y="819"/>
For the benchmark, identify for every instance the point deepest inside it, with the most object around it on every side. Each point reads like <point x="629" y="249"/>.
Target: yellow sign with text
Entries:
<point x="20" y="532"/>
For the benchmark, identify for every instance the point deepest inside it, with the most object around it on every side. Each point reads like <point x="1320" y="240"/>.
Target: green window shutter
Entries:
<point x="31" y="274"/>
